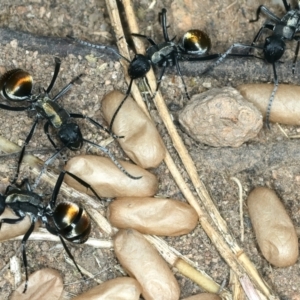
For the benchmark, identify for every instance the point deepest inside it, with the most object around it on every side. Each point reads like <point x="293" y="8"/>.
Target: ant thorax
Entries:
<point x="51" y="111"/>
<point x="160" y="52"/>
<point x="17" y="195"/>
<point x="292" y="18"/>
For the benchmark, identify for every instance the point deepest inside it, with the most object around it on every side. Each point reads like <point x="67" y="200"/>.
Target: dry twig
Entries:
<point x="241" y="202"/>
<point x="42" y="234"/>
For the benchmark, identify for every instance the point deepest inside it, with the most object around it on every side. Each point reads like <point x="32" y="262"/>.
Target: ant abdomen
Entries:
<point x="196" y="42"/>
<point x="72" y="222"/>
<point x="16" y="85"/>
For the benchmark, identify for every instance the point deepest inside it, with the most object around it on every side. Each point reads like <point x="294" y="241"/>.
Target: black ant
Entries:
<point x="165" y="54"/>
<point x="284" y="29"/>
<point x="66" y="220"/>
<point x="16" y="85"/>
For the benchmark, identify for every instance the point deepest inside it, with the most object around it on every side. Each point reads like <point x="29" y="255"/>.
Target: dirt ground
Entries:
<point x="269" y="160"/>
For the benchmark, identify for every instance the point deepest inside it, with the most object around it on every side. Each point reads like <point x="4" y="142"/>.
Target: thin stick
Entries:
<point x="15" y="268"/>
<point x="83" y="270"/>
<point x="29" y="150"/>
<point x="43" y="235"/>
<point x="240" y="257"/>
<point x="241" y="202"/>
<point x="247" y="285"/>
<point x="237" y="290"/>
<point x="185" y="267"/>
<point x="281" y="129"/>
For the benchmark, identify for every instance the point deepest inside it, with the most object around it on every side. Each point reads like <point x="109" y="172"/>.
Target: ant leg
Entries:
<point x="54" y="232"/>
<point x="23" y="149"/>
<point x="71" y="256"/>
<point x="24" y="240"/>
<point x="286" y="6"/>
<point x="265" y="26"/>
<point x="98" y="47"/>
<point x="67" y="87"/>
<point x="54" y="77"/>
<point x="120" y="105"/>
<point x="46" y="164"/>
<point x="11" y="221"/>
<point x="180" y="74"/>
<point x="46" y="131"/>
<point x="2" y="205"/>
<point x="56" y="189"/>
<point x="81" y="116"/>
<point x="224" y="55"/>
<point x="84" y="183"/>
<point x="114" y="160"/>
<point x="149" y="39"/>
<point x="296" y="56"/>
<point x="272" y="96"/>
<point x="267" y="12"/>
<point x="163" y="19"/>
<point x="14" y="108"/>
<point x="59" y="182"/>
<point x="201" y="58"/>
<point x="159" y="80"/>
<point x="19" y="214"/>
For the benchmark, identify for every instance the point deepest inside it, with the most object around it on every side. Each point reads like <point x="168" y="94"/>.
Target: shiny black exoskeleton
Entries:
<point x="194" y="42"/>
<point x="16" y="85"/>
<point x="168" y="53"/>
<point x="283" y="29"/>
<point x="66" y="220"/>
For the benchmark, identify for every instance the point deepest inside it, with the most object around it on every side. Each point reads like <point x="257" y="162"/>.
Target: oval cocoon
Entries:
<point x="44" y="283"/>
<point x="274" y="230"/>
<point x="107" y="180"/>
<point x="285" y="107"/>
<point x="143" y="262"/>
<point x="141" y="142"/>
<point x="122" y="288"/>
<point x="204" y="296"/>
<point x="9" y="231"/>
<point x="157" y="216"/>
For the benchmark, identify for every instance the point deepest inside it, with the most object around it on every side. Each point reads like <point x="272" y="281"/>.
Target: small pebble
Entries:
<point x="221" y="118"/>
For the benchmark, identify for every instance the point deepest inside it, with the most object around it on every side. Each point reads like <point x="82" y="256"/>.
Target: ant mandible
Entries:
<point x="16" y="85"/>
<point x="66" y="220"/>
<point x="194" y="42"/>
<point x="284" y="29"/>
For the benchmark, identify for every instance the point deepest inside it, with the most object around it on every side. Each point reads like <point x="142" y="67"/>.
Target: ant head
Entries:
<point x="274" y="48"/>
<point x="196" y="42"/>
<point x="71" y="136"/>
<point x="16" y="85"/>
<point x="139" y="66"/>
